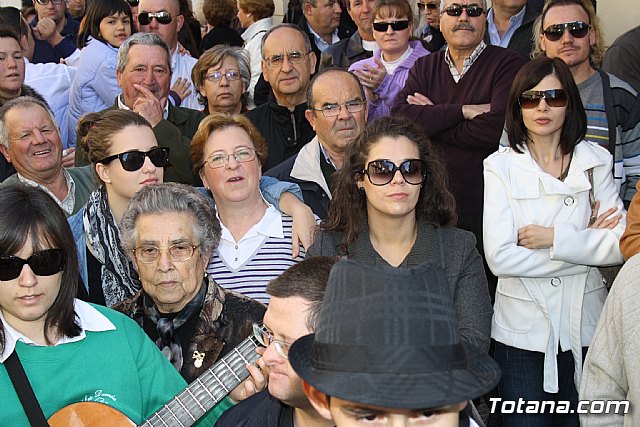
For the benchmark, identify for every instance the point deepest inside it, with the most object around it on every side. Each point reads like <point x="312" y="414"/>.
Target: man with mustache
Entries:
<point x="459" y="97"/>
<point x="337" y="111"/>
<point x="570" y="30"/>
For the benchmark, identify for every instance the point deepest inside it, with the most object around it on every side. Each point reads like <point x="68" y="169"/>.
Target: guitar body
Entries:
<point x="89" y="414"/>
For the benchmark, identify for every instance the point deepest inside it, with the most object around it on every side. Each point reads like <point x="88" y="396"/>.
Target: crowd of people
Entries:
<point x="375" y="213"/>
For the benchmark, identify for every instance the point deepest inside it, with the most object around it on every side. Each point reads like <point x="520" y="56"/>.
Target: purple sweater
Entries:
<point x="391" y="85"/>
<point x="463" y="144"/>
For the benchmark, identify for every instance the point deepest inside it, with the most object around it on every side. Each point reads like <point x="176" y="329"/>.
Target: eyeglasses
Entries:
<point x="43" y="263"/>
<point x="178" y="253"/>
<point x="133" y="3"/>
<point x="163" y="17"/>
<point x="381" y="172"/>
<point x="456" y="10"/>
<point x="554" y="98"/>
<point x="430" y="6"/>
<point x="133" y="160"/>
<point x="265" y="338"/>
<point x="219" y="159"/>
<point x="46" y="2"/>
<point x="216" y="76"/>
<point x="332" y="110"/>
<point x="577" y="29"/>
<point x="294" y="57"/>
<point x="395" y="26"/>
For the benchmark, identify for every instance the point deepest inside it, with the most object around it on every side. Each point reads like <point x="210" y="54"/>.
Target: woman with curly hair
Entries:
<point x="404" y="219"/>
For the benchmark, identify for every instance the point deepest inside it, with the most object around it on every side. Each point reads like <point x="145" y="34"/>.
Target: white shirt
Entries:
<point x="320" y="43"/>
<point x="68" y="202"/>
<point x="235" y="254"/>
<point x="88" y="318"/>
<point x="181" y="66"/>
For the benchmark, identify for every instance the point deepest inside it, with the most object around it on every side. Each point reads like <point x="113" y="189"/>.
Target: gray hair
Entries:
<point x="312" y="83"/>
<point x="21" y="102"/>
<point x="305" y="37"/>
<point x="172" y="198"/>
<point x="142" y="39"/>
<point x="443" y="7"/>
<point x="215" y="56"/>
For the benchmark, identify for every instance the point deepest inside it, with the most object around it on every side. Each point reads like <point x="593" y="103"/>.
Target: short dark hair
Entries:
<point x="312" y="83"/>
<point x="348" y="207"/>
<point x="8" y="32"/>
<point x="219" y="12"/>
<point x="96" y="12"/>
<point x="575" y="124"/>
<point x="30" y="212"/>
<point x="307" y="280"/>
<point x="11" y="17"/>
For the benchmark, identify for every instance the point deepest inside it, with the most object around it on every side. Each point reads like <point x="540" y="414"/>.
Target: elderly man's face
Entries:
<point x="170" y="283"/>
<point x="35" y="149"/>
<point x="168" y="32"/>
<point x="325" y="17"/>
<point x="464" y="32"/>
<point x="147" y="66"/>
<point x="360" y="12"/>
<point x="11" y="68"/>
<point x="51" y="10"/>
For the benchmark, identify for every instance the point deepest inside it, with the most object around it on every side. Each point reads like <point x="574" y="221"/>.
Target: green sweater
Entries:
<point x="121" y="368"/>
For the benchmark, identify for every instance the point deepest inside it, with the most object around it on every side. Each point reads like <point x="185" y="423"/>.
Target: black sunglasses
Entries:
<point x="133" y="160"/>
<point x="395" y="26"/>
<point x="381" y="172"/>
<point x="164" y="18"/>
<point x="430" y="6"/>
<point x="133" y="3"/>
<point x="554" y="98"/>
<point x="577" y="29"/>
<point x="456" y="10"/>
<point x="43" y="263"/>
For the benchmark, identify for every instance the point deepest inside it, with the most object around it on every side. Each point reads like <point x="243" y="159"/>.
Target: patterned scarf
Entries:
<point x="168" y="341"/>
<point x="119" y="277"/>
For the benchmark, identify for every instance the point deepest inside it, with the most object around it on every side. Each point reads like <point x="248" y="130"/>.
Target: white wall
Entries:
<point x="618" y="16"/>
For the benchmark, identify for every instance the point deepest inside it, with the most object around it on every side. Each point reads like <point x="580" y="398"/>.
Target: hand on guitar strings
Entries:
<point x="257" y="381"/>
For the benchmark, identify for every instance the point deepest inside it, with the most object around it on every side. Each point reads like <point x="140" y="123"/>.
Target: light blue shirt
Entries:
<point x="514" y="23"/>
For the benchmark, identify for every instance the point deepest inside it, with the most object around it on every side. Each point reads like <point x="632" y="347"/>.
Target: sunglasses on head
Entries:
<point x="430" y="6"/>
<point x="577" y="29"/>
<point x="381" y="172"/>
<point x="456" y="10"/>
<point x="554" y="98"/>
<point x="395" y="26"/>
<point x="164" y="18"/>
<point x="133" y="160"/>
<point x="43" y="263"/>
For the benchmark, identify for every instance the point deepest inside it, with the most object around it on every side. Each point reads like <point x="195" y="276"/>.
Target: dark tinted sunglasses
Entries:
<point x="456" y="10"/>
<point x="163" y="18"/>
<point x="554" y="98"/>
<point x="381" y="172"/>
<point x="133" y="160"/>
<point x="43" y="263"/>
<point x="430" y="6"/>
<point x="133" y="3"/>
<point x="577" y="29"/>
<point x="395" y="26"/>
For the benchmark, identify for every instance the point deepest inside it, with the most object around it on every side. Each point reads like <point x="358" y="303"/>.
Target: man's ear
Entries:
<point x="311" y="118"/>
<point x="318" y="399"/>
<point x="180" y="22"/>
<point x="312" y="60"/>
<point x="307" y="9"/>
<point x="119" y="78"/>
<point x="5" y="152"/>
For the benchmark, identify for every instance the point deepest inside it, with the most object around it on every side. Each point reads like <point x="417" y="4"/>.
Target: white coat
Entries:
<point x="549" y="296"/>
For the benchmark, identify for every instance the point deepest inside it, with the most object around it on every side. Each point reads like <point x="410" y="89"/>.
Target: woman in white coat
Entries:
<point x="543" y="240"/>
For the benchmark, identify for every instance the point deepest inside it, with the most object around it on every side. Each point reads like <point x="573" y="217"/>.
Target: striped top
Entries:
<point x="269" y="259"/>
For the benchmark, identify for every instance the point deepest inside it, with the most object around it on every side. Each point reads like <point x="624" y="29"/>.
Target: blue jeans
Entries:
<point x="523" y="376"/>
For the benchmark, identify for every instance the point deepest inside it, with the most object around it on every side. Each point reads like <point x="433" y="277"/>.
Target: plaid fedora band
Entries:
<point x="384" y="359"/>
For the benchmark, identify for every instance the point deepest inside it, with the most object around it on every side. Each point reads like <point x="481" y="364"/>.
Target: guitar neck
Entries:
<point x="208" y="389"/>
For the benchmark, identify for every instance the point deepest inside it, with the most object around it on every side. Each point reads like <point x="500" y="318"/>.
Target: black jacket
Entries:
<point x="285" y="131"/>
<point x="260" y="410"/>
<point x="344" y="53"/>
<point x="522" y="39"/>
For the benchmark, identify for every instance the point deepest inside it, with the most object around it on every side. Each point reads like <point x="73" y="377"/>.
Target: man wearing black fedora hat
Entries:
<point x="294" y="306"/>
<point x="387" y="351"/>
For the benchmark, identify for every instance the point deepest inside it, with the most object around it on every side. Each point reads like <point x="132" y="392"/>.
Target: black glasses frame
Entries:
<point x="577" y="29"/>
<point x="473" y="11"/>
<point x="383" y="27"/>
<point x="389" y="170"/>
<point x="133" y="160"/>
<point x="163" y="17"/>
<point x="43" y="263"/>
<point x="554" y="98"/>
<point x="423" y="6"/>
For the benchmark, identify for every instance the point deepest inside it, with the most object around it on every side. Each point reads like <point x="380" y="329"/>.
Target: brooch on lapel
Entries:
<point x="199" y="358"/>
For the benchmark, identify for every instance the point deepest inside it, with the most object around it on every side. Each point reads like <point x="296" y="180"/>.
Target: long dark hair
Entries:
<point x="575" y="123"/>
<point x="96" y="12"/>
<point x="30" y="212"/>
<point x="348" y="206"/>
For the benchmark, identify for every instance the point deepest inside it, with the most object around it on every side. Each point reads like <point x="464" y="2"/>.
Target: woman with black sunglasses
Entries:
<point x="391" y="206"/>
<point x="551" y="213"/>
<point x="383" y="75"/>
<point x="72" y="352"/>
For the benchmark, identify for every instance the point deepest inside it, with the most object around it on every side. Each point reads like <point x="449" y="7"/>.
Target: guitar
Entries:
<point x="183" y="410"/>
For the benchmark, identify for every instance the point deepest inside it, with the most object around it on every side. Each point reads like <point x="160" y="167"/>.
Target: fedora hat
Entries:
<point x="390" y="337"/>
